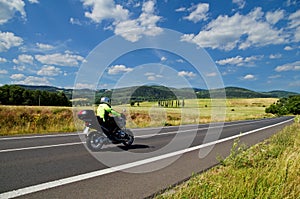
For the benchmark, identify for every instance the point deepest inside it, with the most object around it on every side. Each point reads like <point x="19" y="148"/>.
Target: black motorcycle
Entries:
<point x="115" y="134"/>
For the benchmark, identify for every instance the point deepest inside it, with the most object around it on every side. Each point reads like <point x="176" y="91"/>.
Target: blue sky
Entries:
<point x="253" y="44"/>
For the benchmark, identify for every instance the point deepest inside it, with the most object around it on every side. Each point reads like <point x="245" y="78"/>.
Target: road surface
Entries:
<point x="60" y="166"/>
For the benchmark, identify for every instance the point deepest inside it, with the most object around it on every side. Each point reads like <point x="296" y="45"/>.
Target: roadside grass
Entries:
<point x="269" y="169"/>
<point x="35" y="119"/>
<point x="42" y="119"/>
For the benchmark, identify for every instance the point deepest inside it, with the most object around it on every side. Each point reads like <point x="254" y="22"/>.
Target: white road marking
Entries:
<point x="76" y="143"/>
<point x="65" y="181"/>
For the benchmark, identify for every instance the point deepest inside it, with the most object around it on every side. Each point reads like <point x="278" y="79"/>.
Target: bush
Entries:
<point x="284" y="106"/>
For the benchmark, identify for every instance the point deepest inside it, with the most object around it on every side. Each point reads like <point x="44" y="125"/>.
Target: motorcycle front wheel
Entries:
<point x="130" y="138"/>
<point x="95" y="141"/>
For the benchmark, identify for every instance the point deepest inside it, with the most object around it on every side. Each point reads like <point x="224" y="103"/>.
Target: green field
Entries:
<point x="269" y="169"/>
<point x="46" y="119"/>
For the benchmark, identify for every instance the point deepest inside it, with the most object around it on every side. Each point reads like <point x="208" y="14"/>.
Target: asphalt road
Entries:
<point x="60" y="166"/>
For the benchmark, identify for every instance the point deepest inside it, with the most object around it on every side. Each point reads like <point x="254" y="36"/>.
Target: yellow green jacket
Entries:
<point x="106" y="109"/>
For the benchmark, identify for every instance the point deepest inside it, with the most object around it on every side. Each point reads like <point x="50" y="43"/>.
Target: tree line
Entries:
<point x="285" y="106"/>
<point x="16" y="95"/>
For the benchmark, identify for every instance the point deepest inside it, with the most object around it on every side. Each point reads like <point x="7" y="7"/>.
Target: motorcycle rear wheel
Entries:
<point x="95" y="141"/>
<point x="130" y="139"/>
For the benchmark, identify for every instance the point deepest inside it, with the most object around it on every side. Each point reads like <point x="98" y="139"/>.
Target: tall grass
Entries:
<point x="269" y="169"/>
<point x="33" y="119"/>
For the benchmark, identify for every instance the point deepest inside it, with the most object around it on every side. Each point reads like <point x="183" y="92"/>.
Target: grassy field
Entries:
<point x="34" y="119"/>
<point x="269" y="169"/>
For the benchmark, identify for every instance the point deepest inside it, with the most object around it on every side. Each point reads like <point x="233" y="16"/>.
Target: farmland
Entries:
<point x="45" y="119"/>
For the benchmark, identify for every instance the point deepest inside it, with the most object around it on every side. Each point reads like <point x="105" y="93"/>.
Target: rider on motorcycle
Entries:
<point x="106" y="114"/>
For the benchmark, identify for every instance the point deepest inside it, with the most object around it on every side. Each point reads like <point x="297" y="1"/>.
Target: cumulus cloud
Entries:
<point x="240" y="3"/>
<point x="294" y="24"/>
<point x="3" y="60"/>
<point x="130" y="29"/>
<point x="9" y="8"/>
<point x="249" y="77"/>
<point x="152" y="76"/>
<point x="239" y="61"/>
<point x="17" y="76"/>
<point x="145" y="24"/>
<point x="27" y="59"/>
<point x="9" y="40"/>
<point x="113" y="70"/>
<point x="44" y="46"/>
<point x="3" y="71"/>
<point x="186" y="74"/>
<point x="295" y="66"/>
<point x="199" y="12"/>
<point x="49" y="71"/>
<point x="32" y="80"/>
<point x="238" y="31"/>
<point x="59" y="59"/>
<point x="274" y="17"/>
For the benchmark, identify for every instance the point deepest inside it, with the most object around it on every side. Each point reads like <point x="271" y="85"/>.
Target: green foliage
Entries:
<point x="284" y="106"/>
<point x="16" y="95"/>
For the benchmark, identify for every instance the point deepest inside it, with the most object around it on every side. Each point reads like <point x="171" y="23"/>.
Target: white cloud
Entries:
<point x="211" y="74"/>
<point x="275" y="56"/>
<point x="33" y="1"/>
<point x="294" y="25"/>
<point x="32" y="80"/>
<point x="75" y="21"/>
<point x="49" y="71"/>
<point x="145" y="24"/>
<point x="60" y="59"/>
<point x="17" y="76"/>
<point x="274" y="76"/>
<point x="163" y="58"/>
<point x="28" y="59"/>
<point x="288" y="48"/>
<point x="9" y="8"/>
<point x="239" y="61"/>
<point x="3" y="60"/>
<point x="152" y="76"/>
<point x="113" y="70"/>
<point x="9" y="40"/>
<point x="186" y="74"/>
<point x="3" y="72"/>
<point x="240" y="3"/>
<point x="105" y="9"/>
<point x="274" y="17"/>
<point x="199" y="12"/>
<point x="241" y="31"/>
<point x="249" y="77"/>
<point x="130" y="29"/>
<point x="19" y="68"/>
<point x="181" y="9"/>
<point x="295" y="66"/>
<point x="44" y="46"/>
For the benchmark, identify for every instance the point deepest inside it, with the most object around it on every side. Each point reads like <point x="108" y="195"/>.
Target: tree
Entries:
<point x="284" y="106"/>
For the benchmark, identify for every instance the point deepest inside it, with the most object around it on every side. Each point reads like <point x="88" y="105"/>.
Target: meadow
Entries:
<point x="47" y="119"/>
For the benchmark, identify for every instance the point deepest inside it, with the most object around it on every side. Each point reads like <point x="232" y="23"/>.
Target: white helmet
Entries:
<point x="105" y="100"/>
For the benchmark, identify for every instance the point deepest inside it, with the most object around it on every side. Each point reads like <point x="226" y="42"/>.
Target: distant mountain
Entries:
<point x="155" y="92"/>
<point x="280" y="94"/>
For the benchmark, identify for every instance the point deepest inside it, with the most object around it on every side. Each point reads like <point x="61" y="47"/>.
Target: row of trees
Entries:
<point x="285" y="106"/>
<point x="16" y="95"/>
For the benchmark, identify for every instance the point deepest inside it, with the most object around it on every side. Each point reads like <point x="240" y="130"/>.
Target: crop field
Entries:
<point x="46" y="119"/>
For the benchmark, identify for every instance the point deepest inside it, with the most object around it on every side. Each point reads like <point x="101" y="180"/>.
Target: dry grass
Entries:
<point x="35" y="119"/>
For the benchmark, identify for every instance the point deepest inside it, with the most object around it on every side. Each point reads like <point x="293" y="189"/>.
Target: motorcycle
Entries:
<point x="102" y="135"/>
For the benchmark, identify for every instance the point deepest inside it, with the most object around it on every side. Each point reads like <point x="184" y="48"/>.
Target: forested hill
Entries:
<point x="146" y="93"/>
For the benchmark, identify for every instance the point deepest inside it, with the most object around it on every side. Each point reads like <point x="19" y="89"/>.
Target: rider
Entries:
<point x="105" y="112"/>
